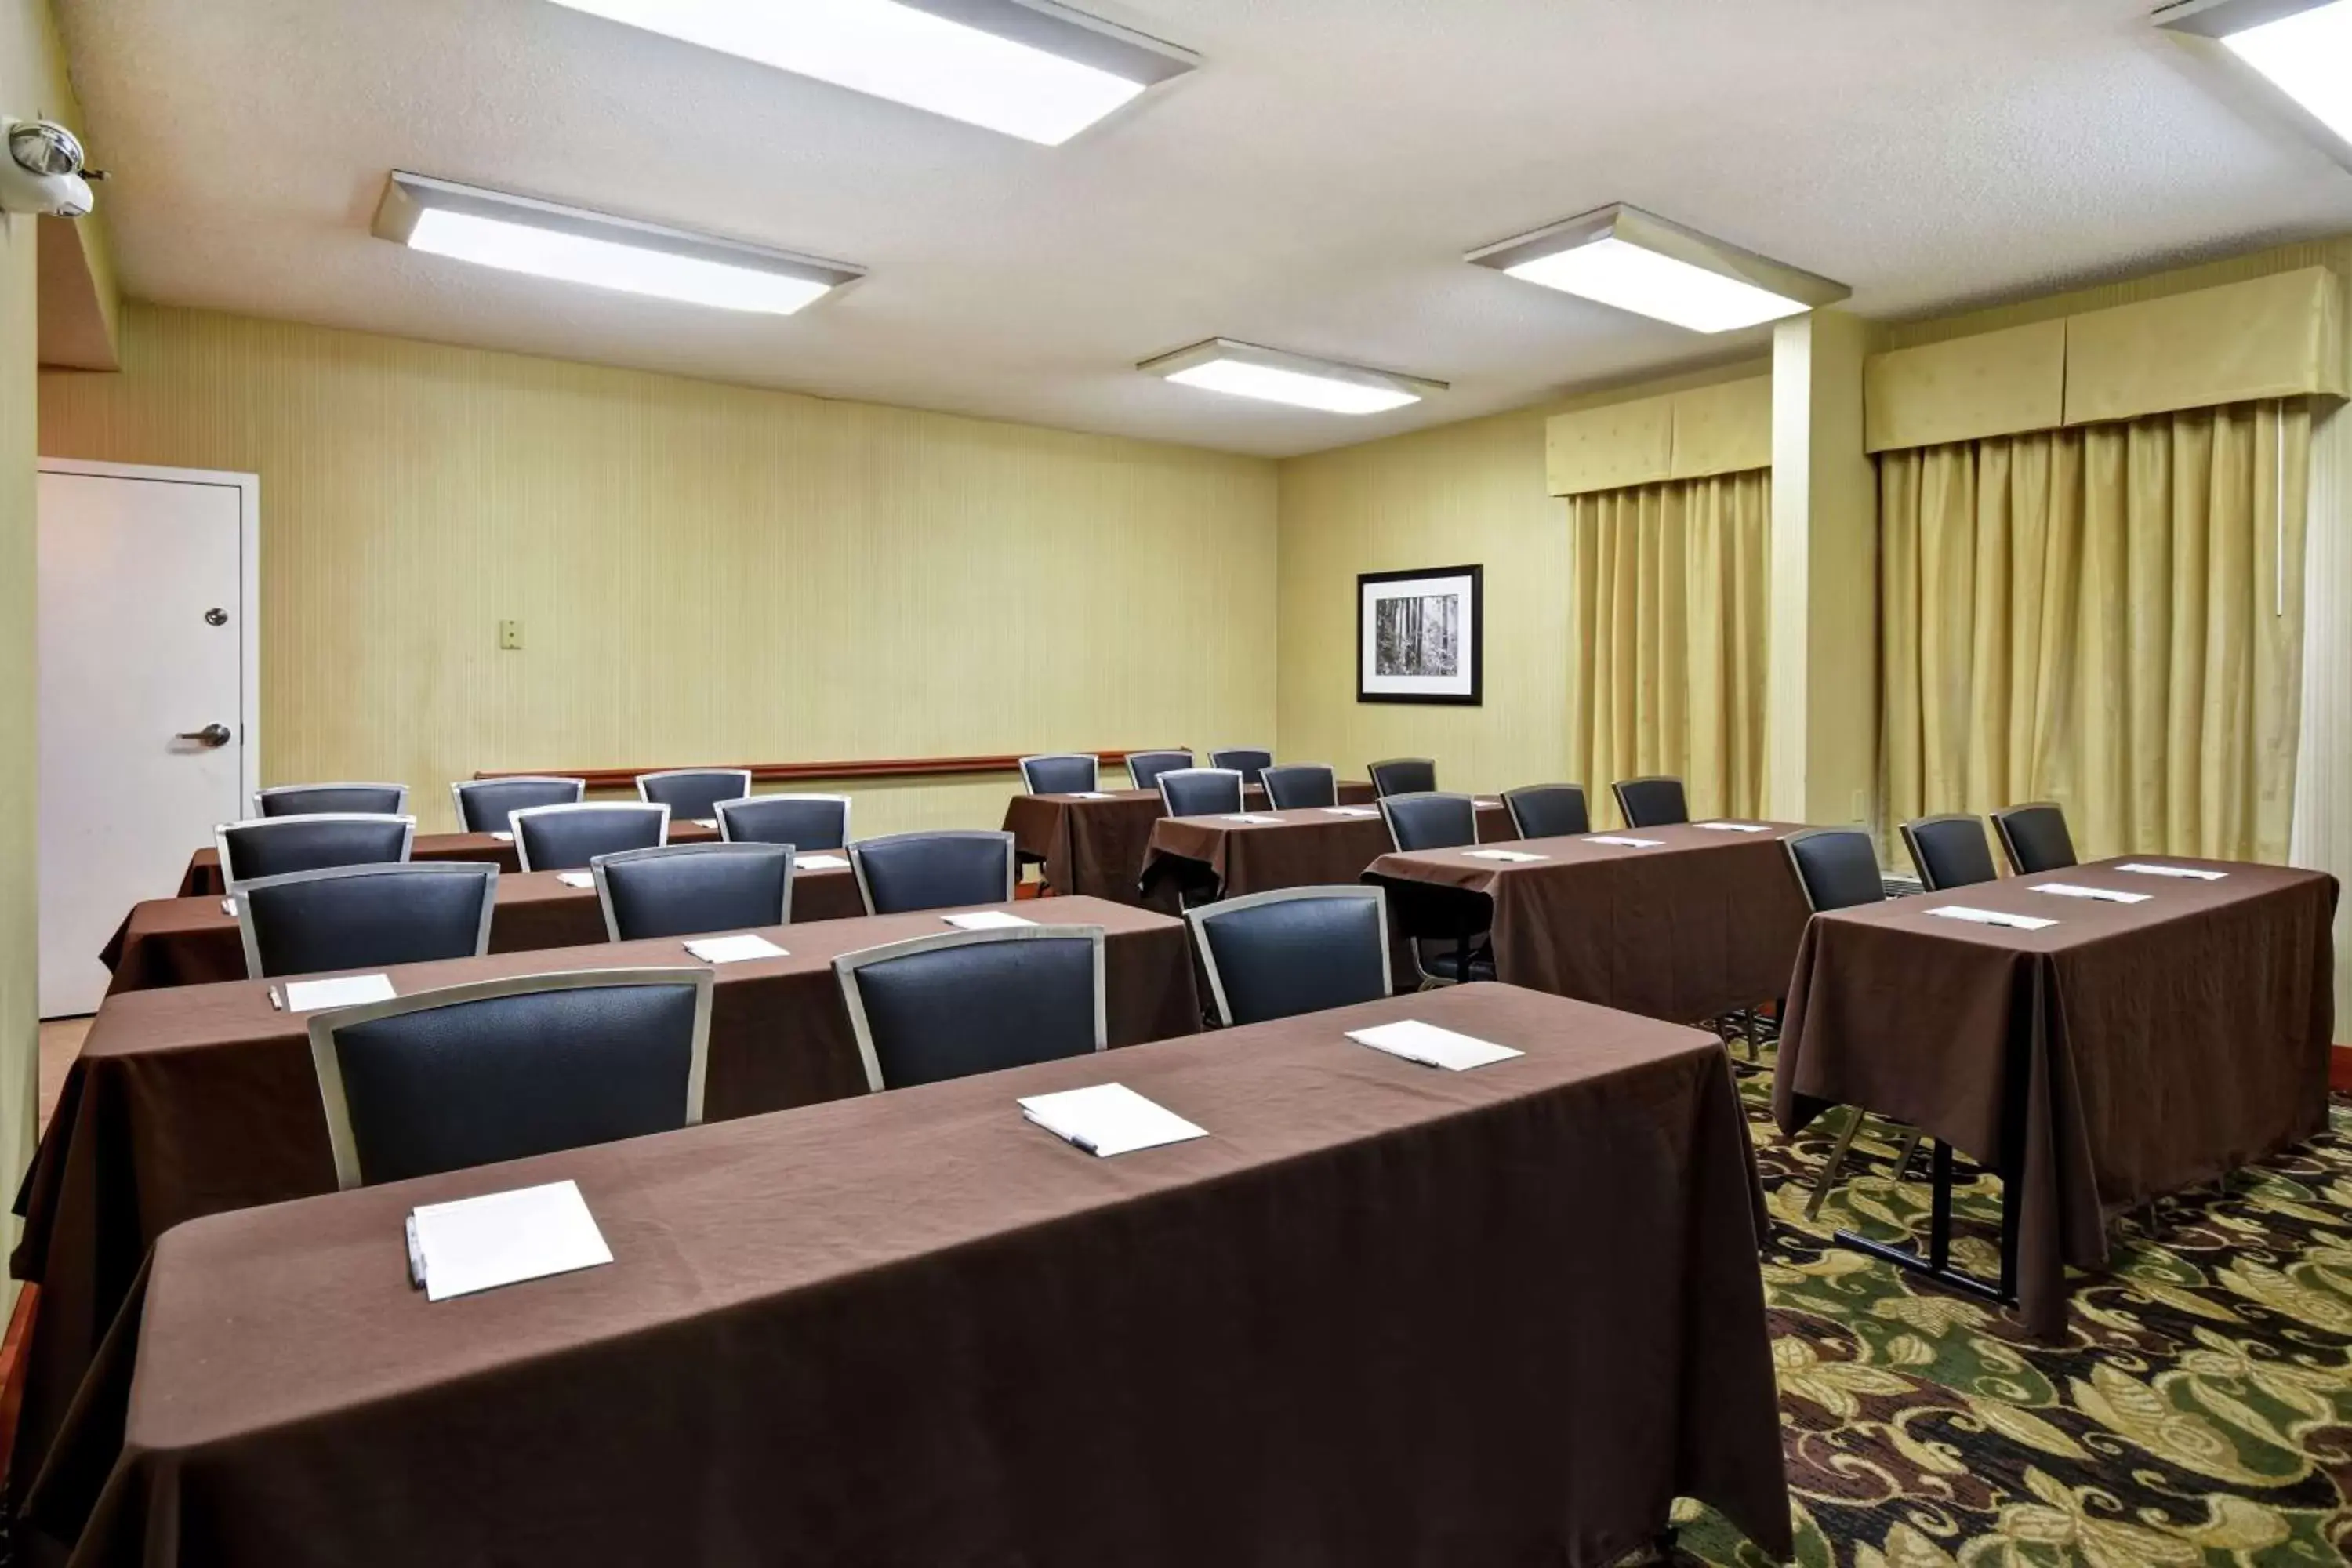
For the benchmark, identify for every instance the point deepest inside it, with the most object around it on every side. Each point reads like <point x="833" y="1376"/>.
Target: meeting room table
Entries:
<point x="1381" y="1315"/>
<point x="1096" y="844"/>
<point x="203" y="876"/>
<point x="1226" y="857"/>
<point x="2122" y="1052"/>
<point x="1692" y="921"/>
<point x="202" y="1099"/>
<point x="196" y="941"/>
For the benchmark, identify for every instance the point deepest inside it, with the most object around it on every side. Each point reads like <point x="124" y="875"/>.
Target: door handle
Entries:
<point x="210" y="735"/>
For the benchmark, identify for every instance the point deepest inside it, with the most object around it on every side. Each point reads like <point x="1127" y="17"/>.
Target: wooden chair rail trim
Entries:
<point x="778" y="772"/>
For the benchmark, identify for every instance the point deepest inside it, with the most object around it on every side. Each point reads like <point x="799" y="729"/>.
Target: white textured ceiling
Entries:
<point x="1313" y="186"/>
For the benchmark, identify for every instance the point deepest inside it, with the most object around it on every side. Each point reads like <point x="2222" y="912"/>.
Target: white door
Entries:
<point x="147" y="696"/>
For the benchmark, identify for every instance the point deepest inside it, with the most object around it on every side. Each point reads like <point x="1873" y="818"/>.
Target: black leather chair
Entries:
<point x="1246" y="761"/>
<point x="2034" y="837"/>
<point x="365" y="917"/>
<point x="1430" y="821"/>
<point x="484" y="805"/>
<point x="1061" y="773"/>
<point x="1654" y="802"/>
<point x="802" y="821"/>
<point x="1405" y="775"/>
<point x="274" y="846"/>
<point x="1200" y="792"/>
<point x="1948" y="851"/>
<point x="1292" y="951"/>
<point x="900" y="872"/>
<point x="304" y="800"/>
<point x="689" y="889"/>
<point x="503" y="1069"/>
<point x="694" y="793"/>
<point x="1144" y="768"/>
<point x="1548" y="811"/>
<point x="960" y="1003"/>
<point x="567" y="838"/>
<point x="1294" y="786"/>
<point x="1433" y="821"/>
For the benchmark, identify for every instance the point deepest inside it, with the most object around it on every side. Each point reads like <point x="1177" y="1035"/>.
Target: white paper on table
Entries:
<point x="710" y="822"/>
<point x="503" y="837"/>
<point x="1732" y="826"/>
<point x="504" y="1238"/>
<point x="1352" y="810"/>
<point x="987" y="920"/>
<point x="2104" y="895"/>
<point x="1088" y="794"/>
<point x="1432" y="1047"/>
<point x="2194" y="872"/>
<point x="734" y="948"/>
<point x="351" y="991"/>
<point x="1513" y="857"/>
<point x="576" y="878"/>
<point x="1628" y="843"/>
<point x="1247" y="816"/>
<point x="1487" y="804"/>
<point x="1992" y="918"/>
<point x="1109" y="1118"/>
<point x="819" y="863"/>
<point x="228" y="906"/>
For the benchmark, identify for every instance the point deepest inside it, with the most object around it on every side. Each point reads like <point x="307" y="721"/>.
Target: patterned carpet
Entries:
<point x="2200" y="1412"/>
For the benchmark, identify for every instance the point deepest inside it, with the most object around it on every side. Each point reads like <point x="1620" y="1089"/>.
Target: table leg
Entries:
<point x="1938" y="1263"/>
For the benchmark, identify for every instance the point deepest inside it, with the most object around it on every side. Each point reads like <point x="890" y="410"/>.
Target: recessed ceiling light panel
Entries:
<point x="518" y="234"/>
<point x="1272" y="375"/>
<point x="1624" y="257"/>
<point x="1029" y="69"/>
<point x="2302" y="47"/>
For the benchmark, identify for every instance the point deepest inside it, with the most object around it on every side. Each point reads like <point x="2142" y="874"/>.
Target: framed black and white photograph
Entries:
<point x="1419" y="635"/>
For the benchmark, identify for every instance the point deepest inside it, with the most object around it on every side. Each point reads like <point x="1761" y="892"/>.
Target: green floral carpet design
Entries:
<point x="2200" y="1412"/>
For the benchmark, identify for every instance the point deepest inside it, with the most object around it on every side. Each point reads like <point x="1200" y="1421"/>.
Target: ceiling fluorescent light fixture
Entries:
<point x="1270" y="376"/>
<point x="2300" y="48"/>
<point x="1029" y="69"/>
<point x="517" y="233"/>
<point x="1624" y="257"/>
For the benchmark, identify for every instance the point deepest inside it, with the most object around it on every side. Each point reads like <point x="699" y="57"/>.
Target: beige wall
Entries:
<point x="704" y="573"/>
<point x="1472" y="494"/>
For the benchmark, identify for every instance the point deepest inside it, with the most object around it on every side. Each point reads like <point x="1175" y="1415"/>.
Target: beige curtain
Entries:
<point x="1672" y="586"/>
<point x="2109" y="616"/>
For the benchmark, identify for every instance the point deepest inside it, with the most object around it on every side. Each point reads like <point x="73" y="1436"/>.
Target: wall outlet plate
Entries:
<point x="510" y="634"/>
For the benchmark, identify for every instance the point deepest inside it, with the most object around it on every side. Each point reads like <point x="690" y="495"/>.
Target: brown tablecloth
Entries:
<point x="1706" y="923"/>
<point x="202" y="876"/>
<point x="202" y="1099"/>
<point x="1309" y="847"/>
<point x="2127" y="1051"/>
<point x="1097" y="847"/>
<point x="194" y="941"/>
<point x="1382" y="1316"/>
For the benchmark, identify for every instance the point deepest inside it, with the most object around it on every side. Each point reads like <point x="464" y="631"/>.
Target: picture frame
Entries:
<point x="1420" y="636"/>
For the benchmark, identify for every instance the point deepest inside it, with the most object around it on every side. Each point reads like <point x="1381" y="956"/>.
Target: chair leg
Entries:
<point x="1903" y="1156"/>
<point x="1828" y="1178"/>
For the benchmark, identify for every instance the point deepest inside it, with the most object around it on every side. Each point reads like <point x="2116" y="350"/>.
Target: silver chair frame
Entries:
<point x="743" y="773"/>
<point x="1388" y="821"/>
<point x="2008" y="846"/>
<point x="222" y="829"/>
<point x="1028" y="786"/>
<point x="1159" y="751"/>
<point x="1919" y="862"/>
<point x="845" y="968"/>
<point x="1373" y="771"/>
<point x="605" y="892"/>
<point x="523" y="855"/>
<point x="856" y="853"/>
<point x="401" y="809"/>
<point x="328" y="1064"/>
<point x="457" y="789"/>
<point x="251" y="940"/>
<point x="1513" y="807"/>
<point x="725" y="837"/>
<point x="1200" y="917"/>
<point x="1332" y="772"/>
<point x="1240" y="785"/>
<point x="1617" y="794"/>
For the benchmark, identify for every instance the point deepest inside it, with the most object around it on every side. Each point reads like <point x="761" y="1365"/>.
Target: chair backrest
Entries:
<point x="1291" y="786"/>
<point x="1144" y="768"/>
<point x="566" y="837"/>
<point x="689" y="890"/>
<point x="484" y="805"/>
<point x="2034" y="837"/>
<point x="1405" y="775"/>
<point x="1430" y="821"/>
<point x="1246" y="761"/>
<point x="1548" y="811"/>
<point x="802" y="821"/>
<point x="900" y="872"/>
<point x="1837" y="868"/>
<point x="1061" y="773"/>
<point x="304" y="800"/>
<point x="694" y="793"/>
<point x="365" y="917"/>
<point x="967" y="1001"/>
<point x="1292" y="951"/>
<point x="1948" y="851"/>
<point x="273" y="845"/>
<point x="1655" y="802"/>
<point x="1200" y="792"/>
<point x="503" y="1069"/>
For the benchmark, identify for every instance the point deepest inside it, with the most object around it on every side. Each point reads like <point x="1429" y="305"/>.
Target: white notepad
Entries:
<point x="1487" y="804"/>
<point x="2104" y="895"/>
<point x="1247" y="816"/>
<point x="1732" y="826"/>
<point x="2195" y="873"/>
<point x="1628" y="843"/>
<point x="576" y="878"/>
<point x="710" y="822"/>
<point x="986" y="919"/>
<point x="1992" y="918"/>
<point x="351" y="991"/>
<point x="228" y="906"/>
<point x="819" y="863"/>
<point x="1512" y="856"/>
<point x="502" y="1239"/>
<point x="733" y="949"/>
<point x="1088" y="794"/>
<point x="1351" y="811"/>
<point x="503" y="837"/>
<point x="1432" y="1047"/>
<point x="1109" y="1118"/>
